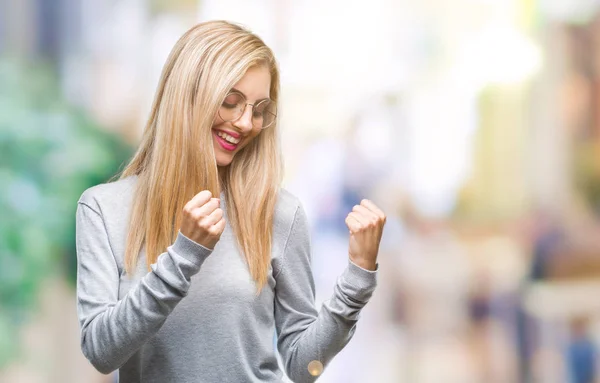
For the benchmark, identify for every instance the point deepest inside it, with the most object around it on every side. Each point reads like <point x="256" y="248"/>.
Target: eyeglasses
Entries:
<point x="263" y="113"/>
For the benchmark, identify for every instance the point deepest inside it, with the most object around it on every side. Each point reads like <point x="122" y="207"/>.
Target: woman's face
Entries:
<point x="229" y="137"/>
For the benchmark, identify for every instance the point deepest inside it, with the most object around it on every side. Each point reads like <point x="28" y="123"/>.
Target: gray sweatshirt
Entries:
<point x="195" y="317"/>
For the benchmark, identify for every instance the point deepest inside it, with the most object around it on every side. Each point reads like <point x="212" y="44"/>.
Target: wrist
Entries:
<point x="370" y="265"/>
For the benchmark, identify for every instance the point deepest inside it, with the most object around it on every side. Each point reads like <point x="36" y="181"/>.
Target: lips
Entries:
<point x="229" y="146"/>
<point x="230" y="133"/>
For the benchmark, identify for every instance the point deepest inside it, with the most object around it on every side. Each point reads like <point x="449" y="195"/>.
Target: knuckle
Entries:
<point x="203" y="225"/>
<point x="196" y="215"/>
<point x="214" y="231"/>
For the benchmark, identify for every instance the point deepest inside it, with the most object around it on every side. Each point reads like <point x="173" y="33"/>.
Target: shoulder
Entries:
<point x="114" y="194"/>
<point x="289" y="214"/>
<point x="286" y="208"/>
<point x="290" y="232"/>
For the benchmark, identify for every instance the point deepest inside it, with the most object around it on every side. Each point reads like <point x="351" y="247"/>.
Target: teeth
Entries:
<point x="228" y="138"/>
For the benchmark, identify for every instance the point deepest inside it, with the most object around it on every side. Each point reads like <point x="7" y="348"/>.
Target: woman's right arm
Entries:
<point x="112" y="330"/>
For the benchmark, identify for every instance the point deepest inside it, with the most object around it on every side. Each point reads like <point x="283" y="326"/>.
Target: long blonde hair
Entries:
<point x="176" y="159"/>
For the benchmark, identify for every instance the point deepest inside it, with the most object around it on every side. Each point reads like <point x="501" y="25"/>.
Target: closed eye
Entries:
<point x="229" y="106"/>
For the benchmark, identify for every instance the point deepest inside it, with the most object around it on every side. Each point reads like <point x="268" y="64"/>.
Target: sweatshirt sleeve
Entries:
<point x="112" y="330"/>
<point x="305" y="335"/>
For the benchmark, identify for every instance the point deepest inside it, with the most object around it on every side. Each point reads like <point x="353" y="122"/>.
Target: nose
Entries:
<point x="244" y="123"/>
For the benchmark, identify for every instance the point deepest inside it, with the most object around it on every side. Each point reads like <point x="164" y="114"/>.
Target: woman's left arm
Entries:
<point x="305" y="336"/>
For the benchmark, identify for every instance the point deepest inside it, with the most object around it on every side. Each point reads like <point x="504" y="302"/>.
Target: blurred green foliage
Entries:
<point x="50" y="152"/>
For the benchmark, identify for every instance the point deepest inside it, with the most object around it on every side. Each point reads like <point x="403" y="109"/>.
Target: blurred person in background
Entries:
<point x="434" y="274"/>
<point x="237" y="265"/>
<point x="581" y="352"/>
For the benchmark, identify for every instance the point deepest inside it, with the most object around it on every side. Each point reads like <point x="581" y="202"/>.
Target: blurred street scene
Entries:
<point x="474" y="124"/>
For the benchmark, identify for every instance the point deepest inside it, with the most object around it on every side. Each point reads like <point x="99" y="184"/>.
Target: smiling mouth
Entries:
<point x="226" y="141"/>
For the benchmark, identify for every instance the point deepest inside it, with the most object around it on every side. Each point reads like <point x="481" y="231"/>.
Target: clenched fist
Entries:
<point x="365" y="223"/>
<point x="202" y="220"/>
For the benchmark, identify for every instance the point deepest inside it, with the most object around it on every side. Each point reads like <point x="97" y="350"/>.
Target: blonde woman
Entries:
<point x="193" y="260"/>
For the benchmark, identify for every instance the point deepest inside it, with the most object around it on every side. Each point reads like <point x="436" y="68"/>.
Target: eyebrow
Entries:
<point x="243" y="94"/>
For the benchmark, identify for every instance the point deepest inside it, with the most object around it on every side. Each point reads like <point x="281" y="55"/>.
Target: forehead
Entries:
<point x="255" y="84"/>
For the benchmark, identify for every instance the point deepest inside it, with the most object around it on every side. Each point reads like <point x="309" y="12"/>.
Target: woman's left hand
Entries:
<point x="365" y="223"/>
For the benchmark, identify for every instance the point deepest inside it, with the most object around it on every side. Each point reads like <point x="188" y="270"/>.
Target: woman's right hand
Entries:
<point x="203" y="220"/>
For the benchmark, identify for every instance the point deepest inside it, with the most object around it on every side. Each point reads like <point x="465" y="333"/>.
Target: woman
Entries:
<point x="203" y="280"/>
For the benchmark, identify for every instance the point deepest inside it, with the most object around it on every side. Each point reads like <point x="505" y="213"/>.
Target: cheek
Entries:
<point x="251" y="137"/>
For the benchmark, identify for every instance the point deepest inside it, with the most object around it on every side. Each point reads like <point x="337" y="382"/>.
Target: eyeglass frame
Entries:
<point x="243" y="110"/>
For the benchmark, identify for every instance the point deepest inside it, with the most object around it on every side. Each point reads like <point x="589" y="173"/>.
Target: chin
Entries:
<point x="223" y="161"/>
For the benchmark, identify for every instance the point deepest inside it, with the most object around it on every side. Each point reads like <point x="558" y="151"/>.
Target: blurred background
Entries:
<point x="475" y="124"/>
